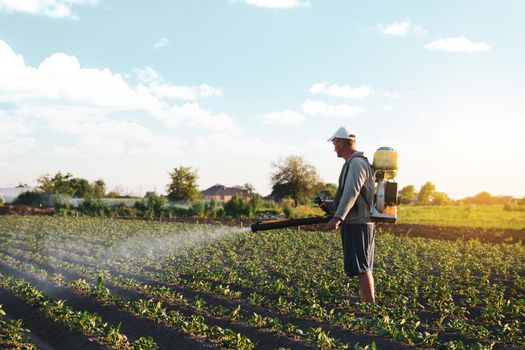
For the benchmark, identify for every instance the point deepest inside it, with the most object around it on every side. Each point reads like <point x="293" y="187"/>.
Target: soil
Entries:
<point x="262" y="339"/>
<point x="133" y="327"/>
<point x="16" y="209"/>
<point x="45" y="333"/>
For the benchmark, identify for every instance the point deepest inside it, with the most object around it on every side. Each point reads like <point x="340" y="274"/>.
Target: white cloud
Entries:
<point x="285" y="117"/>
<point x="400" y="29"/>
<point x="49" y="8"/>
<point x="324" y="109"/>
<point x="115" y="138"/>
<point x="184" y="92"/>
<point x="155" y="84"/>
<point x="59" y="78"/>
<point x="276" y="4"/>
<point x="15" y="135"/>
<point x="396" y="28"/>
<point x="59" y="90"/>
<point x="163" y="42"/>
<point x="457" y="44"/>
<point x="341" y="90"/>
<point x="193" y="116"/>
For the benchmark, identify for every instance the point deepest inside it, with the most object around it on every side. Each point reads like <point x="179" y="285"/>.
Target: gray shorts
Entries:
<point x="358" y="248"/>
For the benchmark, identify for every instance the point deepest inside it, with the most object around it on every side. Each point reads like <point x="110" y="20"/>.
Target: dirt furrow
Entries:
<point x="262" y="339"/>
<point x="133" y="327"/>
<point x="45" y="333"/>
<point x="213" y="299"/>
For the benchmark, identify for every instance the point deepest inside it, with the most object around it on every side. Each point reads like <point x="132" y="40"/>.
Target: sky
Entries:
<point x="128" y="90"/>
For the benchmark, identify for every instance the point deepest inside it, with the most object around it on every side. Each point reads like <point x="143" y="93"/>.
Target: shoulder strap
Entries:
<point x="364" y="187"/>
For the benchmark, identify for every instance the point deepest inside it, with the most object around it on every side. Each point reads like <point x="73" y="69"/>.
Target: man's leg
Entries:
<point x="366" y="287"/>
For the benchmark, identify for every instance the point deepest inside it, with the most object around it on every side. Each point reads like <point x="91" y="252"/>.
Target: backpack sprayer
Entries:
<point x="382" y="209"/>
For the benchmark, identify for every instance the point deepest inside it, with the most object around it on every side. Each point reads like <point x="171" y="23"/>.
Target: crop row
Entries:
<point x="159" y="294"/>
<point x="425" y="288"/>
<point x="12" y="333"/>
<point x="78" y="321"/>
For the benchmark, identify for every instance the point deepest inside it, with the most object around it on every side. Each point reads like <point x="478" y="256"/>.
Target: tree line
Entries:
<point x="291" y="178"/>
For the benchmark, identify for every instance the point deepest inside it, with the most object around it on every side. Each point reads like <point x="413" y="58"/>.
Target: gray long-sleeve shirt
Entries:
<point x="356" y="190"/>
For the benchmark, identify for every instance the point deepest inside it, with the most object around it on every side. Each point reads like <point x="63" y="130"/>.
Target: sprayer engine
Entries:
<point x="384" y="207"/>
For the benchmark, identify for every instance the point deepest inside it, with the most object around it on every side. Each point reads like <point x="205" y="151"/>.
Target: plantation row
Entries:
<point x="207" y="286"/>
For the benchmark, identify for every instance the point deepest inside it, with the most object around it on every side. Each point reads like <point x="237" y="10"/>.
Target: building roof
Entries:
<point x="220" y="190"/>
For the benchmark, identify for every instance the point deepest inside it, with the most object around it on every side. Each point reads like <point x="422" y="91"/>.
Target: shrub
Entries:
<point x="121" y="209"/>
<point x="214" y="210"/>
<point x="237" y="208"/>
<point x="61" y="212"/>
<point x="92" y="206"/>
<point x="61" y="201"/>
<point x="34" y="199"/>
<point x="513" y="207"/>
<point x="152" y="205"/>
<point x="256" y="203"/>
<point x="179" y="212"/>
<point x="287" y="210"/>
<point x="198" y="209"/>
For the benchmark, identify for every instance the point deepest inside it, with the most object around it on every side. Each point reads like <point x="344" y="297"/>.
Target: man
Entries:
<point x="351" y="208"/>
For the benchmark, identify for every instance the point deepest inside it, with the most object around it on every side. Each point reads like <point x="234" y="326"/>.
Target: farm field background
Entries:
<point x="104" y="283"/>
<point x="486" y="216"/>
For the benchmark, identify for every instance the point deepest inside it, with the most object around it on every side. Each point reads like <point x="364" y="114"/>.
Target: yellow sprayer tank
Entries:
<point x="385" y="158"/>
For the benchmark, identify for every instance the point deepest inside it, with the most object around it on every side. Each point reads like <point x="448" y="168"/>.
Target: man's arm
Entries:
<point x="355" y="180"/>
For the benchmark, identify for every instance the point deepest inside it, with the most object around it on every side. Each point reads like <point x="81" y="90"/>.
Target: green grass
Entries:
<point x="489" y="216"/>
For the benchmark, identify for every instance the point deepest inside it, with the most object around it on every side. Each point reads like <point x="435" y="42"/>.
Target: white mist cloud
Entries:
<point x="49" y="8"/>
<point x="163" y="42"/>
<point x="286" y="117"/>
<point x="400" y="29"/>
<point x="345" y="91"/>
<point x="457" y="44"/>
<point x="275" y="4"/>
<point x="321" y="108"/>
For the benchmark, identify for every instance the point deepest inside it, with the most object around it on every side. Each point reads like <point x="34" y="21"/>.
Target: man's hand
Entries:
<point x="334" y="224"/>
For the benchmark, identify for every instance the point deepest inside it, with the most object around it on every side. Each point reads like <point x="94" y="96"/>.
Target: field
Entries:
<point x="100" y="283"/>
<point x="486" y="216"/>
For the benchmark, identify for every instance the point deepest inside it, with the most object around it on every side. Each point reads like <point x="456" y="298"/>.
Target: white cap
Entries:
<point x="342" y="133"/>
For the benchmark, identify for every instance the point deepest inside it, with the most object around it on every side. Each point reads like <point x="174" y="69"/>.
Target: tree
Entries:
<point x="183" y="186"/>
<point x="99" y="188"/>
<point x="294" y="178"/>
<point x="81" y="188"/>
<point x="426" y="193"/>
<point x="328" y="190"/>
<point x="483" y="198"/>
<point x="57" y="184"/>
<point x="248" y="188"/>
<point x="69" y="185"/>
<point x="441" y="198"/>
<point x="407" y="194"/>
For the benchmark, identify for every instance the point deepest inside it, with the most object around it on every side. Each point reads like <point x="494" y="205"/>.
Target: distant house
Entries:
<point x="9" y="194"/>
<point x="223" y="193"/>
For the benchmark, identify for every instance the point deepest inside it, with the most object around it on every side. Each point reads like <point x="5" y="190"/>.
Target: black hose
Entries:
<point x="276" y="224"/>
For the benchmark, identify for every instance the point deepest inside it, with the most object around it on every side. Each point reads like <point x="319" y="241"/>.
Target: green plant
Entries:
<point x="34" y="199"/>
<point x="237" y="208"/>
